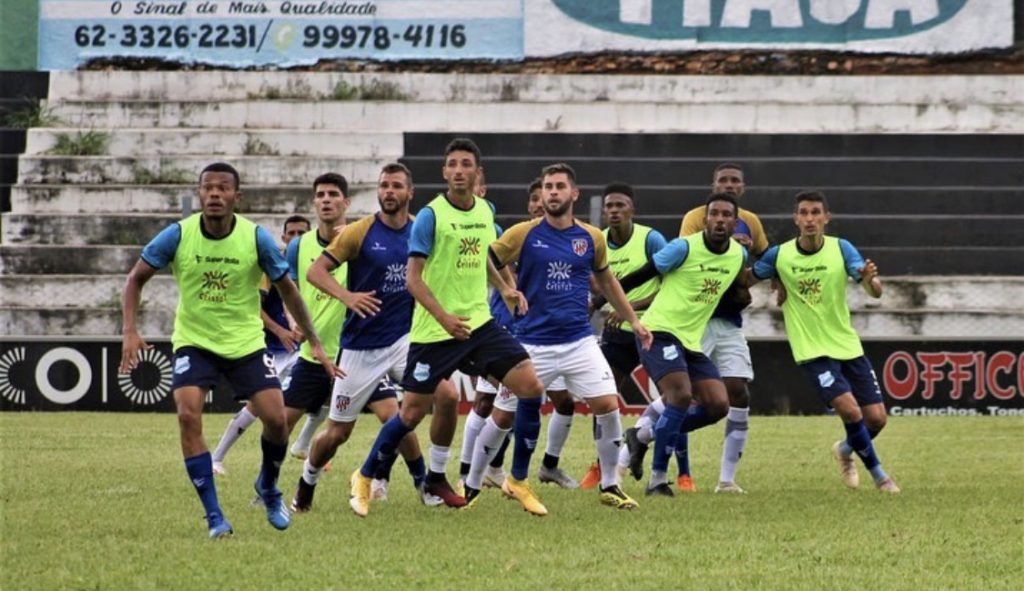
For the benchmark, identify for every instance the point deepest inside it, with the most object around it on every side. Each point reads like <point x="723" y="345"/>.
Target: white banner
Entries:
<point x="555" y="27"/>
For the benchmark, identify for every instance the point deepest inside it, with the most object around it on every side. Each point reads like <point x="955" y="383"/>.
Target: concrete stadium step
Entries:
<point x="597" y="117"/>
<point x="510" y="198"/>
<point x="228" y="142"/>
<point x="724" y="147"/>
<point x="655" y="168"/>
<point x="185" y="169"/>
<point x="456" y="87"/>
<point x="80" y="321"/>
<point x="111" y="229"/>
<point x="83" y="291"/>
<point x="37" y="259"/>
<point x="113" y="198"/>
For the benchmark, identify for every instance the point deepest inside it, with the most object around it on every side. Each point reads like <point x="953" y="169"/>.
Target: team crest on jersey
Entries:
<point x="670" y="352"/>
<point x="579" y="246"/>
<point x="826" y="379"/>
<point x="181" y="365"/>
<point x="422" y="372"/>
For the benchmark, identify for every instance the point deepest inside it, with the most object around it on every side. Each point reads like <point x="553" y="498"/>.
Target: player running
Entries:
<point x="557" y="255"/>
<point x="218" y="258"/>
<point x="452" y="327"/>
<point x="814" y="269"/>
<point x="373" y="252"/>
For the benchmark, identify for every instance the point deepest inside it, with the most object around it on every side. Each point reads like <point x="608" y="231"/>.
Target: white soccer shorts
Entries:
<point x="365" y="370"/>
<point x="727" y="348"/>
<point x="580" y="364"/>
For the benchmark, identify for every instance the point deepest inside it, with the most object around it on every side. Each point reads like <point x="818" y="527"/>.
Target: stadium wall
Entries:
<point x="18" y="34"/>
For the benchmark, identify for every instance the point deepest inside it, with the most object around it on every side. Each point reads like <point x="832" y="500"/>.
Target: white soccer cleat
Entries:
<point x="379" y="490"/>
<point x="494" y="477"/>
<point x="729" y="487"/>
<point x="888" y="485"/>
<point x="847" y="467"/>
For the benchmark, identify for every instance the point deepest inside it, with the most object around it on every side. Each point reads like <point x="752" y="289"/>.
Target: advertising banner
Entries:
<point x="243" y="33"/>
<point x="556" y="27"/>
<point x="958" y="378"/>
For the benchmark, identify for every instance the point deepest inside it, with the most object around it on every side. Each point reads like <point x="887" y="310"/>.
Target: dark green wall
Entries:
<point x="19" y="28"/>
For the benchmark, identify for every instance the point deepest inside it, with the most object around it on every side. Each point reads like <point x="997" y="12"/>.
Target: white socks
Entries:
<point x="305" y="438"/>
<point x="238" y="424"/>
<point x="736" y="426"/>
<point x="310" y="474"/>
<point x="439" y="458"/>
<point x="487" y="446"/>
<point x="608" y="438"/>
<point x="474" y="423"/>
<point x="558" y="432"/>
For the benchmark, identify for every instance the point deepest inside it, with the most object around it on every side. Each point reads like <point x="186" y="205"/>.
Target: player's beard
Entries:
<point x="558" y="211"/>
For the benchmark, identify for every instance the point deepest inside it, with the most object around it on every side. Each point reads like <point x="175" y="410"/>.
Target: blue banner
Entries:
<point x="239" y="33"/>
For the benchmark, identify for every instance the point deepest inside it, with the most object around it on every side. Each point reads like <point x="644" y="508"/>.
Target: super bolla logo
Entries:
<point x="761" y="21"/>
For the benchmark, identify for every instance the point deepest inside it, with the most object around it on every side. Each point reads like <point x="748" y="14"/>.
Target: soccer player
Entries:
<point x="695" y="273"/>
<point x="218" y="258"/>
<point x="557" y="255"/>
<point x="814" y="269"/>
<point x="723" y="343"/>
<point x="282" y="342"/>
<point x="375" y="341"/>
<point x="452" y="328"/>
<point x="630" y="246"/>
<point x="565" y="407"/>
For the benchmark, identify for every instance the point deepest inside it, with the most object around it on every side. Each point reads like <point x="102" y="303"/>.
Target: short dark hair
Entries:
<point x="722" y="197"/>
<point x="221" y="167"/>
<point x="618" y="187"/>
<point x="815" y="196"/>
<point x="726" y="166"/>
<point x="395" y="167"/>
<point x="296" y="219"/>
<point x="559" y="168"/>
<point x="463" y="144"/>
<point x="332" y="178"/>
<point x="535" y="184"/>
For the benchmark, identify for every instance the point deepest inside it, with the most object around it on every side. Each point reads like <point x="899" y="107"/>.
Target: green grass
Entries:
<point x="101" y="501"/>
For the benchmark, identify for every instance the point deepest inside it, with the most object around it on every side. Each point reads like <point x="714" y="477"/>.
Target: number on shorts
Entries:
<point x="268" y="360"/>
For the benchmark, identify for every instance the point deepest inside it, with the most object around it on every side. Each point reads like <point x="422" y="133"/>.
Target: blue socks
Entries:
<point x="683" y="453"/>
<point x="696" y="418"/>
<point x="200" y="472"/>
<point x="846" y="450"/>
<point x="527" y="430"/>
<point x="666" y="433"/>
<point x="273" y="457"/>
<point x="386" y="444"/>
<point x="418" y="471"/>
<point x="383" y="471"/>
<point x="859" y="440"/>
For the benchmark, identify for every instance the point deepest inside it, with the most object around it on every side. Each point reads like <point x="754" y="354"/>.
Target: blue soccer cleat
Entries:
<point x="219" y="527"/>
<point x="277" y="513"/>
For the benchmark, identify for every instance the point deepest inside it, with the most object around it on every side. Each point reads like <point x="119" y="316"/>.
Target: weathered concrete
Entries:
<point x="694" y="117"/>
<point x="92" y="229"/>
<point x="145" y="169"/>
<point x="80" y="322"/>
<point x="83" y="291"/>
<point x="67" y="260"/>
<point x="539" y="88"/>
<point x="114" y="198"/>
<point x="229" y="142"/>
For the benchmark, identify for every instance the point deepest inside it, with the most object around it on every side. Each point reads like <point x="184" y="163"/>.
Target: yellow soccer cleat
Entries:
<point x="614" y="497"/>
<point x="359" y="498"/>
<point x="521" y="491"/>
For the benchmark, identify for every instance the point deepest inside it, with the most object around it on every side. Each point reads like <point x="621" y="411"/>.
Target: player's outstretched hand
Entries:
<point x="334" y="371"/>
<point x="780" y="292"/>
<point x="363" y="303"/>
<point x="613" y="320"/>
<point x="131" y="345"/>
<point x="289" y="340"/>
<point x="516" y="301"/>
<point x="645" y="336"/>
<point x="456" y="326"/>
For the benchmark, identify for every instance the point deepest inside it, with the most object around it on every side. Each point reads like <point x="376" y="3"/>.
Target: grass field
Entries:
<point x="101" y="501"/>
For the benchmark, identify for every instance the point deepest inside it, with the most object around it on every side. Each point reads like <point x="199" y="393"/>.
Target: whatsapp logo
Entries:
<point x="283" y="37"/>
<point x="763" y="21"/>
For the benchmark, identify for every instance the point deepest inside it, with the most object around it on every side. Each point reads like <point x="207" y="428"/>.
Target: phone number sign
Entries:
<point x="244" y="33"/>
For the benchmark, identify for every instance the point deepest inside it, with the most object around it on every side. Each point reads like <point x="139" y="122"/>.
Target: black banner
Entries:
<point x="959" y="378"/>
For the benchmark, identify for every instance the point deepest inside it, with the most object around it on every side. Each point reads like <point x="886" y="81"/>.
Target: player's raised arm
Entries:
<point x="297" y="308"/>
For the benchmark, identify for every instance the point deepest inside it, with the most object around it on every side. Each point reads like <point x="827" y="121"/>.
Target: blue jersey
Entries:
<point x="554" y="274"/>
<point x="274" y="307"/>
<point x="377" y="256"/>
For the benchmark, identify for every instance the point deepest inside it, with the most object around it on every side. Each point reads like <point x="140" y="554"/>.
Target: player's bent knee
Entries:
<point x="483" y="405"/>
